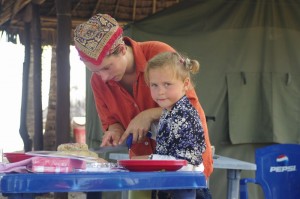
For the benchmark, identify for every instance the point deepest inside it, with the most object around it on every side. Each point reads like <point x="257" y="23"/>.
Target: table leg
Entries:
<point x="124" y="195"/>
<point x="233" y="183"/>
<point x="94" y="195"/>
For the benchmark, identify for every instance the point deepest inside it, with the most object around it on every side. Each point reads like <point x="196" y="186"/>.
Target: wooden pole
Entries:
<point x="26" y="67"/>
<point x="37" y="77"/>
<point x="63" y="121"/>
<point x="64" y="27"/>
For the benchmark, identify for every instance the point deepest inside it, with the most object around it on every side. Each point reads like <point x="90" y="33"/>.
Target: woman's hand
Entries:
<point x="112" y="136"/>
<point x="140" y="125"/>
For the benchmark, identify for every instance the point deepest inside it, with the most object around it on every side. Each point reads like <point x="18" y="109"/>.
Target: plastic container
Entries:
<point x="79" y="130"/>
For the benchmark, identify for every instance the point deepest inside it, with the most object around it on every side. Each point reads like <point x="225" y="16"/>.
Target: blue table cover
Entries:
<point x="99" y="181"/>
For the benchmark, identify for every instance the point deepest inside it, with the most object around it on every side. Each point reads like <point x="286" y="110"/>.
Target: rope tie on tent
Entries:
<point x="288" y="79"/>
<point x="243" y="75"/>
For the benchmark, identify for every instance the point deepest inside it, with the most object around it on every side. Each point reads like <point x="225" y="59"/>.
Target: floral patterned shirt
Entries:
<point x="180" y="133"/>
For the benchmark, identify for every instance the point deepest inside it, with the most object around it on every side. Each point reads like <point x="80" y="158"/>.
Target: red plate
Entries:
<point x="152" y="165"/>
<point x="16" y="156"/>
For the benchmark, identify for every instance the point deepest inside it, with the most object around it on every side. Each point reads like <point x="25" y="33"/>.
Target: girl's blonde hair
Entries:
<point x="180" y="65"/>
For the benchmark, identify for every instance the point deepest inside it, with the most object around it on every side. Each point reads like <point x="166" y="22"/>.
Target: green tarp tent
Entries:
<point x="249" y="51"/>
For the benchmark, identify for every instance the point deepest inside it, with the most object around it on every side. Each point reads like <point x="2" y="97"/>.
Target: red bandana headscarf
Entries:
<point x="95" y="38"/>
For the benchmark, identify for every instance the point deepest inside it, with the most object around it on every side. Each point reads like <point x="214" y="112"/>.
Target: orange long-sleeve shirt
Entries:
<point x="115" y="105"/>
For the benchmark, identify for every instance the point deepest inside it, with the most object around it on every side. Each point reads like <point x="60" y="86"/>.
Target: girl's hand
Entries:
<point x="140" y="125"/>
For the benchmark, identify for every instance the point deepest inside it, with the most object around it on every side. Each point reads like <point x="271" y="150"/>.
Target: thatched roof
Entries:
<point x="13" y="13"/>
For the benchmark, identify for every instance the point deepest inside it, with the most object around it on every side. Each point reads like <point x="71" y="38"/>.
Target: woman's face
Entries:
<point x="165" y="88"/>
<point x="113" y="67"/>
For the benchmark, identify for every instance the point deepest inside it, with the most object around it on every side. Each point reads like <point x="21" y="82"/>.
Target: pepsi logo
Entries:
<point x="283" y="165"/>
<point x="282" y="160"/>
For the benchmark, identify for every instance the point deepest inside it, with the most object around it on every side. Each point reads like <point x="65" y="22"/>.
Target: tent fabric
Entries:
<point x="250" y="67"/>
<point x="94" y="131"/>
<point x="240" y="37"/>
<point x="269" y="102"/>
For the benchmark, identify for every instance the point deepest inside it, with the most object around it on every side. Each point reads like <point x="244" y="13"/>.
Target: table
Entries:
<point x="234" y="168"/>
<point x="28" y="184"/>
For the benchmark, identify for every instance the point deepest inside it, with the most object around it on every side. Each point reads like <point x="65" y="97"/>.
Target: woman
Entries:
<point x="122" y="97"/>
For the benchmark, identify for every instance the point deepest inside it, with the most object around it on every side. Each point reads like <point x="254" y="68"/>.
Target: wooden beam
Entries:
<point x="153" y="6"/>
<point x="53" y="22"/>
<point x="19" y="5"/>
<point x="76" y="6"/>
<point x="116" y="8"/>
<point x="51" y="10"/>
<point x="96" y="8"/>
<point x="134" y="10"/>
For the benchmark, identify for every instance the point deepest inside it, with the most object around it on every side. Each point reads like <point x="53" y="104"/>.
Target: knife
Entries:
<point x="122" y="147"/>
<point x="129" y="139"/>
<point x="108" y="149"/>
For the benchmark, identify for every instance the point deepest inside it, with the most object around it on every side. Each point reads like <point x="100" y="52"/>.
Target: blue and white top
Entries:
<point x="180" y="133"/>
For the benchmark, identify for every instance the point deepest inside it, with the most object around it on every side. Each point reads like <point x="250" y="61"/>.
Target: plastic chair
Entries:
<point x="278" y="172"/>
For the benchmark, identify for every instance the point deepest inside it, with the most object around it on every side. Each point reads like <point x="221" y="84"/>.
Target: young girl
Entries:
<point x="180" y="133"/>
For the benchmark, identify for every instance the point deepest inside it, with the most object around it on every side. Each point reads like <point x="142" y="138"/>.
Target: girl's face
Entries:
<point x="113" y="67"/>
<point x="165" y="88"/>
